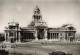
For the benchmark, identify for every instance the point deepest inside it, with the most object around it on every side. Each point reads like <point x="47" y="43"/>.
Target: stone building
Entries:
<point x="38" y="30"/>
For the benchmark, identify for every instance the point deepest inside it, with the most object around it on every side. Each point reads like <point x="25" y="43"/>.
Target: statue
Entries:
<point x="37" y="10"/>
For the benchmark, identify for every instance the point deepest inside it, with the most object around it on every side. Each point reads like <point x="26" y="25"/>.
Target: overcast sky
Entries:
<point x="54" y="12"/>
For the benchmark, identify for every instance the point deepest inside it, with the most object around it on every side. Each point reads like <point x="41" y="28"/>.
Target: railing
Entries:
<point x="62" y="30"/>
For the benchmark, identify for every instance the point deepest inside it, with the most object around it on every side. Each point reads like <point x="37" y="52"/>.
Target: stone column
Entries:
<point x="8" y="37"/>
<point x="45" y="34"/>
<point x="50" y="35"/>
<point x="19" y="37"/>
<point x="5" y="36"/>
<point x="36" y="32"/>
<point x="67" y="37"/>
<point x="64" y="36"/>
<point x="74" y="36"/>
<point x="54" y="35"/>
<point x="59" y="36"/>
<point x="16" y="36"/>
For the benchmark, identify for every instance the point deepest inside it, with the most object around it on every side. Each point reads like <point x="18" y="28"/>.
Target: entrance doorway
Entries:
<point x="71" y="39"/>
<point x="40" y="33"/>
<point x="12" y="40"/>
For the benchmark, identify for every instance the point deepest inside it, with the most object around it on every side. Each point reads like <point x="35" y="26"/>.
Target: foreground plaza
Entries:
<point x="38" y="30"/>
<point x="45" y="49"/>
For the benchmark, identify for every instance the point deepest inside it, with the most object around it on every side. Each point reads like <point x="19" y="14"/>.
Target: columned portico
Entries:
<point x="53" y="36"/>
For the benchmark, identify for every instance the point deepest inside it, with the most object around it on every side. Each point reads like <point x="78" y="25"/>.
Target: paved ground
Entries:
<point x="44" y="49"/>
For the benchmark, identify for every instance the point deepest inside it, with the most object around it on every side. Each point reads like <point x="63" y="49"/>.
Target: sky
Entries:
<point x="54" y="12"/>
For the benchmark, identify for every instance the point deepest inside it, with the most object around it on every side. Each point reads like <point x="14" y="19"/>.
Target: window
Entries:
<point x="11" y="27"/>
<point x="70" y="28"/>
<point x="69" y="34"/>
<point x="61" y="34"/>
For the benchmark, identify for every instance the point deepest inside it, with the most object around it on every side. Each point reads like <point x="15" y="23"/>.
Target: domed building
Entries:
<point x="38" y="30"/>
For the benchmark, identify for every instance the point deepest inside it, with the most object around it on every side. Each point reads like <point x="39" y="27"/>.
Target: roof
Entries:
<point x="13" y="23"/>
<point x="67" y="25"/>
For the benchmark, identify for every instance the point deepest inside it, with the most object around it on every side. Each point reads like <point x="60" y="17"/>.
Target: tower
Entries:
<point x="37" y="18"/>
<point x="37" y="14"/>
<point x="12" y="32"/>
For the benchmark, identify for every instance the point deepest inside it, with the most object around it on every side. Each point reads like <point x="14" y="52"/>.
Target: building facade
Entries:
<point x="38" y="30"/>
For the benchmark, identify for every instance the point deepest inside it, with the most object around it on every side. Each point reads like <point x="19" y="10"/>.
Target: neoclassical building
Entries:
<point x="38" y="30"/>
